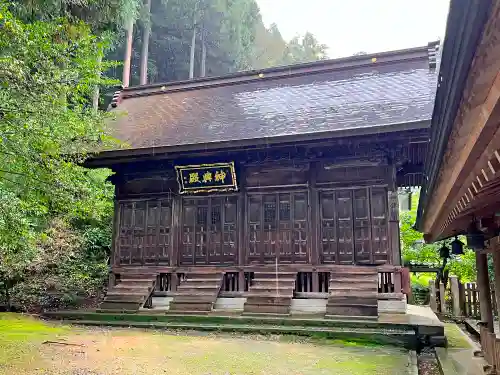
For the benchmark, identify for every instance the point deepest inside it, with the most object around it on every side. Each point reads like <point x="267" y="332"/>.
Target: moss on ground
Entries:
<point x="456" y="337"/>
<point x="148" y="352"/>
<point x="21" y="337"/>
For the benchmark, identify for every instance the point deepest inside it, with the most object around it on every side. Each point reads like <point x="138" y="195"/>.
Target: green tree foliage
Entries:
<point x="235" y="36"/>
<point x="416" y="251"/>
<point x="47" y="128"/>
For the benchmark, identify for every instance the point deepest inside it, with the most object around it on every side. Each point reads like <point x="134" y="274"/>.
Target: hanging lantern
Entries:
<point x="444" y="252"/>
<point x="457" y="247"/>
<point x="475" y="238"/>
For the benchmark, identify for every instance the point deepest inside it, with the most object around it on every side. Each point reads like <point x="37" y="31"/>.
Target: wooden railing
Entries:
<point x="490" y="346"/>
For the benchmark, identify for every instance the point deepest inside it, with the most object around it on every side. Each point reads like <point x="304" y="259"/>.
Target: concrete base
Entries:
<point x="299" y="306"/>
<point x="308" y="306"/>
<point x="162" y="303"/>
<point x="230" y="304"/>
<point x="393" y="306"/>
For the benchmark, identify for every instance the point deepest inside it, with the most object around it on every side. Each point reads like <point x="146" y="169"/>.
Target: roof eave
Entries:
<point x="458" y="52"/>
<point x="108" y="158"/>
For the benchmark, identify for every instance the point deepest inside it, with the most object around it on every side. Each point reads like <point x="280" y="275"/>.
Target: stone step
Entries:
<point x="351" y="310"/>
<point x="119" y="305"/>
<point x="191" y="306"/>
<point x="151" y="276"/>
<point x="264" y="308"/>
<point x="269" y="300"/>
<point x="398" y="337"/>
<point x="269" y="294"/>
<point x="132" y="288"/>
<point x="125" y="297"/>
<point x="195" y="286"/>
<point x="353" y="300"/>
<point x="352" y="293"/>
<point x="196" y="293"/>
<point x="140" y="282"/>
<point x="194" y="299"/>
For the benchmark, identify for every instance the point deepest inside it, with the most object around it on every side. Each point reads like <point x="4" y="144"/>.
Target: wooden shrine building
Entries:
<point x="269" y="185"/>
<point x="461" y="189"/>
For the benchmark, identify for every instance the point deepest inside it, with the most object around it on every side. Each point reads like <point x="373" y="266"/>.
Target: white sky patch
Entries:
<point x="352" y="26"/>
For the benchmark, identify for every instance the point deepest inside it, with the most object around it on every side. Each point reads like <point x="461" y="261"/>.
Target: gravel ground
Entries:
<point x="96" y="351"/>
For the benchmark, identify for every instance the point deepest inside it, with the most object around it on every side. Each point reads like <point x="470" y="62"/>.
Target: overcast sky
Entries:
<point x="350" y="26"/>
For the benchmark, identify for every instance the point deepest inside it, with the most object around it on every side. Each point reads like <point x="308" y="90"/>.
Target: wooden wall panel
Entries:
<point x="350" y="175"/>
<point x="277" y="175"/>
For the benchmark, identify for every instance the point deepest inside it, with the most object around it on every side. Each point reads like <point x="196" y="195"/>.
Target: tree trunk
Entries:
<point x="143" y="79"/>
<point x="95" y="96"/>
<point x="203" y="55"/>
<point x="193" y="47"/>
<point x="128" y="54"/>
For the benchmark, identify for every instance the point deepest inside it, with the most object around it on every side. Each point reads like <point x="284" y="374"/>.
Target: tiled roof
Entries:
<point x="297" y="100"/>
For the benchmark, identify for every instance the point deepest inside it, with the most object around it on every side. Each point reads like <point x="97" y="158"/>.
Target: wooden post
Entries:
<point x="394" y="242"/>
<point x="315" y="282"/>
<point x="442" y="299"/>
<point x="455" y="297"/>
<point x="483" y="284"/>
<point x="432" y="295"/>
<point x="496" y="265"/>
<point x="241" y="281"/>
<point x="176" y="230"/>
<point x="173" y="281"/>
<point x="111" y="280"/>
<point x="313" y="215"/>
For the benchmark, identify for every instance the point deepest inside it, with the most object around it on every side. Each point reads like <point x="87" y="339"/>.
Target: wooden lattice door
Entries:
<point x="209" y="231"/>
<point x="277" y="228"/>
<point x="354" y="226"/>
<point x="145" y="232"/>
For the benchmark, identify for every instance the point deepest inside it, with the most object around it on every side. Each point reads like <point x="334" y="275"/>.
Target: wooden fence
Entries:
<point x="457" y="299"/>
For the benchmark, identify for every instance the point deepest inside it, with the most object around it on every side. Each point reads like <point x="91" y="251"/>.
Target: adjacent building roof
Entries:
<point x="466" y="21"/>
<point x="361" y="92"/>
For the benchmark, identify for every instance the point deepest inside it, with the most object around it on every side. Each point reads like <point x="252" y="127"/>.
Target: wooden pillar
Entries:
<point x="456" y="297"/>
<point x="313" y="218"/>
<point x="173" y="281"/>
<point x="393" y="224"/>
<point x="176" y="230"/>
<point x="242" y="222"/>
<point x="483" y="284"/>
<point x="496" y="265"/>
<point x="115" y="252"/>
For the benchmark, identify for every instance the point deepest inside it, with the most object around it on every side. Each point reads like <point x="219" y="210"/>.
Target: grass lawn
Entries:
<point x="32" y="347"/>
